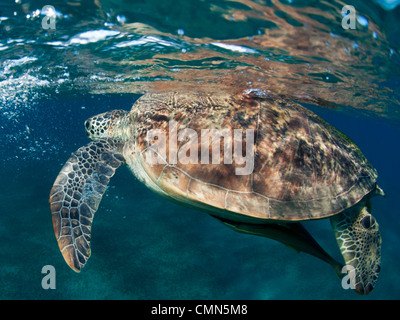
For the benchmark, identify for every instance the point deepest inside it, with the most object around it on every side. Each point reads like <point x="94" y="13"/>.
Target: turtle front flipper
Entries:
<point x="76" y="195"/>
<point x="357" y="234"/>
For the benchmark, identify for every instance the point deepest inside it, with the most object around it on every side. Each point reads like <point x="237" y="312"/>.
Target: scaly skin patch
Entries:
<point x="76" y="195"/>
<point x="110" y="124"/>
<point x="358" y="237"/>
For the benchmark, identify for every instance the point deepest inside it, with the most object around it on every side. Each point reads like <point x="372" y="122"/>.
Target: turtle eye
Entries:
<point x="367" y="222"/>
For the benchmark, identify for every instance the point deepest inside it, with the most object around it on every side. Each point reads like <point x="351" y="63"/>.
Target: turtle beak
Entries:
<point x="87" y="126"/>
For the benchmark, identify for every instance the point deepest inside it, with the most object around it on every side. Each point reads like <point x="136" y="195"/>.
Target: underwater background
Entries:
<point x="103" y="55"/>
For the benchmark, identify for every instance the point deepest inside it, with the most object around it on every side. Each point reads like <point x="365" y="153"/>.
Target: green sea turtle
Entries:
<point x="300" y="168"/>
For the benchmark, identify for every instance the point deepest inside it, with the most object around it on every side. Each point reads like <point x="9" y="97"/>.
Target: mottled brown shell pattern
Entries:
<point x="303" y="167"/>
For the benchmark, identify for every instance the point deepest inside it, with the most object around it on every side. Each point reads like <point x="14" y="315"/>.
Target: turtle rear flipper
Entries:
<point x="357" y="234"/>
<point x="76" y="195"/>
<point x="293" y="235"/>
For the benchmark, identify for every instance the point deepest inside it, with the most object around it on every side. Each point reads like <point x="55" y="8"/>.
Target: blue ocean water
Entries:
<point x="104" y="57"/>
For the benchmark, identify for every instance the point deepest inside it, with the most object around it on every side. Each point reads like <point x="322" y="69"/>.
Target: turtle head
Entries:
<point x="107" y="125"/>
